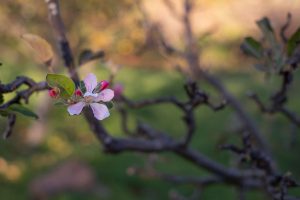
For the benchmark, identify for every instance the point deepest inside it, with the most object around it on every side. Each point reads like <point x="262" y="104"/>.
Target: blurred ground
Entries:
<point x="116" y="27"/>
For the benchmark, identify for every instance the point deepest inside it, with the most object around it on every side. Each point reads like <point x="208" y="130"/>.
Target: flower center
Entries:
<point x="88" y="99"/>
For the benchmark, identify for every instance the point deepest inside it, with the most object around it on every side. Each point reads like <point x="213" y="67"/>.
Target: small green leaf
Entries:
<point x="1" y="98"/>
<point x="109" y="105"/>
<point x="17" y="108"/>
<point x="252" y="47"/>
<point x="265" y="25"/>
<point x="82" y="87"/>
<point x="268" y="32"/>
<point x="64" y="83"/>
<point x="293" y="42"/>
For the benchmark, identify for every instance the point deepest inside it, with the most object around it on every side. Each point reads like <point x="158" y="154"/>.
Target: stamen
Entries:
<point x="88" y="99"/>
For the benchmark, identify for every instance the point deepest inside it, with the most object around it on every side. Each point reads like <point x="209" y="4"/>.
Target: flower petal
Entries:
<point x="76" y="109"/>
<point x="90" y="82"/>
<point x="105" y="95"/>
<point x="100" y="111"/>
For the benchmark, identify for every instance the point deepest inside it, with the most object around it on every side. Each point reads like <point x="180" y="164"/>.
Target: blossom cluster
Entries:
<point x="91" y="94"/>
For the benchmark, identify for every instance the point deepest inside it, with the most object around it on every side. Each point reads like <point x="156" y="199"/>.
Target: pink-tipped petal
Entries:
<point x="100" y="111"/>
<point x="76" y="109"/>
<point x="105" y="95"/>
<point x="90" y="82"/>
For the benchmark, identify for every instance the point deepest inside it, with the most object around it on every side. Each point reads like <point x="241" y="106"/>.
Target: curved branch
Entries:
<point x="23" y="94"/>
<point x="11" y="120"/>
<point x="285" y="27"/>
<point x="20" y="80"/>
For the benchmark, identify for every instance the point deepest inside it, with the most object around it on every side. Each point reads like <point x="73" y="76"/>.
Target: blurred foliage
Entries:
<point x="116" y="26"/>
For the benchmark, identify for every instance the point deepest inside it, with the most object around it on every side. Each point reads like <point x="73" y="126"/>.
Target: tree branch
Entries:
<point x="11" y="120"/>
<point x="23" y="94"/>
<point x="285" y="27"/>
<point x="59" y="31"/>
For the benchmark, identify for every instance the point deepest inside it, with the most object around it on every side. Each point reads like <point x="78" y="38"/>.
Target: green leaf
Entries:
<point x="293" y="42"/>
<point x="1" y="99"/>
<point x="17" y="108"/>
<point x="267" y="30"/>
<point x="252" y="47"/>
<point x="64" y="83"/>
<point x="265" y="25"/>
<point x="82" y="87"/>
<point x="109" y="105"/>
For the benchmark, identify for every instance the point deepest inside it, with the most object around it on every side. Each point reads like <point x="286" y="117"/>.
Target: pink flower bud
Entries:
<point x="78" y="93"/>
<point x="104" y="85"/>
<point x="53" y="93"/>
<point x="118" y="90"/>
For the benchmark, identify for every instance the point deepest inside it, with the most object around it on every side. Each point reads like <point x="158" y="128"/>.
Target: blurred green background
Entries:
<point x="38" y="149"/>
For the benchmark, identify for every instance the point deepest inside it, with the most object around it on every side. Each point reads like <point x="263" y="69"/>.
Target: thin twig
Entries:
<point x="11" y="120"/>
<point x="23" y="94"/>
<point x="285" y="27"/>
